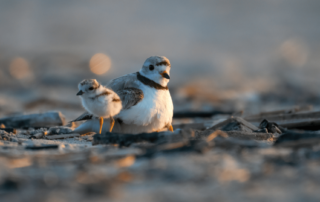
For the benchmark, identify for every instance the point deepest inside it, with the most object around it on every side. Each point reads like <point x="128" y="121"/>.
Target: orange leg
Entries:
<point x="170" y="128"/>
<point x="101" y="124"/>
<point x="112" y="121"/>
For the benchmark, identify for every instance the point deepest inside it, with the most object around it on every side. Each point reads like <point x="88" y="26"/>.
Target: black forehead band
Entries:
<point x="163" y="63"/>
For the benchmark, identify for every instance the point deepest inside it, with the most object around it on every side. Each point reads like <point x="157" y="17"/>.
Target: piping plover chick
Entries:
<point x="99" y="101"/>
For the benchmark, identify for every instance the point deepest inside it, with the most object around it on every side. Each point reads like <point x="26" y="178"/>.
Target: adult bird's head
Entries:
<point x="157" y="69"/>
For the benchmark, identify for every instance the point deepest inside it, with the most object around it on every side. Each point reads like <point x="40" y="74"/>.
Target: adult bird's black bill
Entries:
<point x="165" y="75"/>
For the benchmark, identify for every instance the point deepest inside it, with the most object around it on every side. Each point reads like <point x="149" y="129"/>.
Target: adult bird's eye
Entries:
<point x="91" y="88"/>
<point x="151" y="67"/>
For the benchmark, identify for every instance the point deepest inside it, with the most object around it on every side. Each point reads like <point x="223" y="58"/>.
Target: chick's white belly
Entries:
<point x="98" y="108"/>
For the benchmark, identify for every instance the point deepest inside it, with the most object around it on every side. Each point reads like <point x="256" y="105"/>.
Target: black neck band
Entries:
<point x="150" y="83"/>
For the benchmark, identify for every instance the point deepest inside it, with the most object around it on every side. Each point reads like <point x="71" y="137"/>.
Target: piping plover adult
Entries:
<point x="99" y="101"/>
<point x="146" y="98"/>
<point x="146" y="101"/>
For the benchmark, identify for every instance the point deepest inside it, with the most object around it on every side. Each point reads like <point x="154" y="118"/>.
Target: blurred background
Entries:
<point x="225" y="54"/>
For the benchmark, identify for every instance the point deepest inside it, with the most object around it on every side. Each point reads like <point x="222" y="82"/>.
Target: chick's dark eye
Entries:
<point x="151" y="67"/>
<point x="91" y="88"/>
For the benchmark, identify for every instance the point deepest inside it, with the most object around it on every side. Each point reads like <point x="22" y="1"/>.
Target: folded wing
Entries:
<point x="127" y="87"/>
<point x="130" y="97"/>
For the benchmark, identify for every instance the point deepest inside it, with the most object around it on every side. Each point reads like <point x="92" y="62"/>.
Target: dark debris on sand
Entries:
<point x="236" y="159"/>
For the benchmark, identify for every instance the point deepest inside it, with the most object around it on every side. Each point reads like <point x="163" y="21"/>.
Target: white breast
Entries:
<point x="101" y="106"/>
<point x="154" y="110"/>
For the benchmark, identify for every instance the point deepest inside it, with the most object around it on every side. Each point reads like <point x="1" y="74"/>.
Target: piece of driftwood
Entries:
<point x="128" y="139"/>
<point x="123" y="139"/>
<point x="51" y="146"/>
<point x="239" y="134"/>
<point x="199" y="146"/>
<point x="313" y="124"/>
<point x="234" y="124"/>
<point x="200" y="114"/>
<point x="62" y="136"/>
<point x="47" y="119"/>
<point x="284" y="116"/>
<point x="250" y="136"/>
<point x="231" y="142"/>
<point x="302" y="122"/>
<point x="298" y="139"/>
<point x="197" y="126"/>
<point x="264" y="115"/>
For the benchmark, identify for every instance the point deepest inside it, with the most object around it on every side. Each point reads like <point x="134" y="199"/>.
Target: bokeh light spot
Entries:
<point x="19" y="68"/>
<point x="294" y="51"/>
<point x="100" y="63"/>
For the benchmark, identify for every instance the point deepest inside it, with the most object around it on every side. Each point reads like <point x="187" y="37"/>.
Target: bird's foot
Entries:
<point x="112" y="121"/>
<point x="101" y="124"/>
